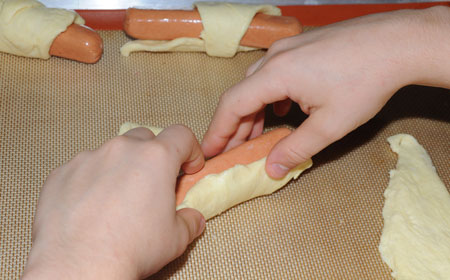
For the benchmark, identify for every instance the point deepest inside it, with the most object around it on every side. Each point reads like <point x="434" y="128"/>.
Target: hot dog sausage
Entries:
<point x="172" y="24"/>
<point x="244" y="154"/>
<point x="78" y="43"/>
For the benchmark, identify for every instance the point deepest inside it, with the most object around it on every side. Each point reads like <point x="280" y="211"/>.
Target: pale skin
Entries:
<point x="110" y="213"/>
<point x="340" y="75"/>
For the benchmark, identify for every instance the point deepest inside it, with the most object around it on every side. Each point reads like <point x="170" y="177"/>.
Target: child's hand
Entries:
<point x="340" y="75"/>
<point x="110" y="213"/>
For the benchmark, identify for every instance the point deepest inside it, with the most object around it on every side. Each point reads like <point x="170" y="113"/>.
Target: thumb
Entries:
<point x="190" y="224"/>
<point x="313" y="135"/>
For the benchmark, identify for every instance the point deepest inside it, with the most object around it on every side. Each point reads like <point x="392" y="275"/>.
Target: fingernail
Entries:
<point x="278" y="170"/>
<point x="201" y="226"/>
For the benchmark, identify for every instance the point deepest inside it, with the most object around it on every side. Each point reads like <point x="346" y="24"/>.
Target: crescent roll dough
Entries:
<point x="217" y="193"/>
<point x="129" y="126"/>
<point x="415" y="242"/>
<point x="28" y="28"/>
<point x="224" y="25"/>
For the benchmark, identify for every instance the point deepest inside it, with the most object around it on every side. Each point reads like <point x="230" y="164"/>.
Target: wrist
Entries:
<point x="432" y="39"/>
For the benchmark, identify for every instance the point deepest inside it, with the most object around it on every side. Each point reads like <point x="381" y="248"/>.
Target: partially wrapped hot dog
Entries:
<point x="28" y="28"/>
<point x="232" y="177"/>
<point x="219" y="29"/>
<point x="171" y="24"/>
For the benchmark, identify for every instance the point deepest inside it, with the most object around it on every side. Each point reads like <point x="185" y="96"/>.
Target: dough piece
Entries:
<point x="28" y="28"/>
<point x="217" y="193"/>
<point x="129" y="126"/>
<point x="415" y="242"/>
<point x="183" y="44"/>
<point x="224" y="25"/>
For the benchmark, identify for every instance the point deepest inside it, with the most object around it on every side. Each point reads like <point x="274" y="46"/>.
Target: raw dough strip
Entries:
<point x="415" y="241"/>
<point x="129" y="126"/>
<point x="176" y="45"/>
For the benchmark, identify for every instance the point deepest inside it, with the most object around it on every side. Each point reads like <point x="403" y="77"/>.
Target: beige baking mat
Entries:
<point x="325" y="225"/>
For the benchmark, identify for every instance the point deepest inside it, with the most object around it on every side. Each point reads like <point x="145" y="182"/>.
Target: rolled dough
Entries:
<point x="217" y="193"/>
<point x="224" y="25"/>
<point x="415" y="242"/>
<point x="28" y="28"/>
<point x="129" y="126"/>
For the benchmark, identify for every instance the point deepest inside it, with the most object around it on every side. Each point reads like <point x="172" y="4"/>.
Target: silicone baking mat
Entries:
<point x="324" y="225"/>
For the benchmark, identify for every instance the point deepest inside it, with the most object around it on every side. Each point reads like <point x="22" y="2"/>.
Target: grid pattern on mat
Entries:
<point x="325" y="225"/>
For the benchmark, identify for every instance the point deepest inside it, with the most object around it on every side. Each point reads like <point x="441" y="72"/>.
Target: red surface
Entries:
<point x="327" y="14"/>
<point x="103" y="19"/>
<point x="308" y="15"/>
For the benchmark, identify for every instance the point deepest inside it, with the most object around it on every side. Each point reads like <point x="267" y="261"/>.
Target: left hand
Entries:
<point x="110" y="213"/>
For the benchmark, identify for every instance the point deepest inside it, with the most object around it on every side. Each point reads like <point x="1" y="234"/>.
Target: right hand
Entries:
<point x="340" y="75"/>
<point x="110" y="213"/>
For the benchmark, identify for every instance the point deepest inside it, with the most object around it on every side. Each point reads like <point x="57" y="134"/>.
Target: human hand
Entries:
<point x="341" y="75"/>
<point x="110" y="213"/>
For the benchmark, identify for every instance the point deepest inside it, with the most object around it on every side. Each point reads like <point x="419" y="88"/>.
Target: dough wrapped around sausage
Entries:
<point x="216" y="193"/>
<point x="28" y="28"/>
<point x="224" y="25"/>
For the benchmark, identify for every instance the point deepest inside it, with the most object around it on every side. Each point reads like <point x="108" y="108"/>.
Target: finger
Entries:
<point x="190" y="224"/>
<point x="140" y="133"/>
<point x="245" y="98"/>
<point x="258" y="125"/>
<point x="281" y="108"/>
<point x="254" y="67"/>
<point x="314" y="134"/>
<point x="242" y="134"/>
<point x="184" y="148"/>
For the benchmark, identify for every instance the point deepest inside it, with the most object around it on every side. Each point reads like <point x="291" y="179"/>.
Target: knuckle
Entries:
<point x="77" y="159"/>
<point x="279" y="60"/>
<point x="160" y="150"/>
<point x="82" y="155"/>
<point x="115" y="147"/>
<point x="271" y="70"/>
<point x="53" y="174"/>
<point x="144" y="131"/>
<point x="223" y="99"/>
<point x="277" y="46"/>
<point x="116" y="142"/>
<point x="255" y="66"/>
<point x="119" y="145"/>
<point x="250" y="70"/>
<point x="226" y="101"/>
<point x="296" y="156"/>
<point x="181" y="128"/>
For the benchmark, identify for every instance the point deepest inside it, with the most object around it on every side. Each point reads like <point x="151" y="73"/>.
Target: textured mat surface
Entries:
<point x="325" y="225"/>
